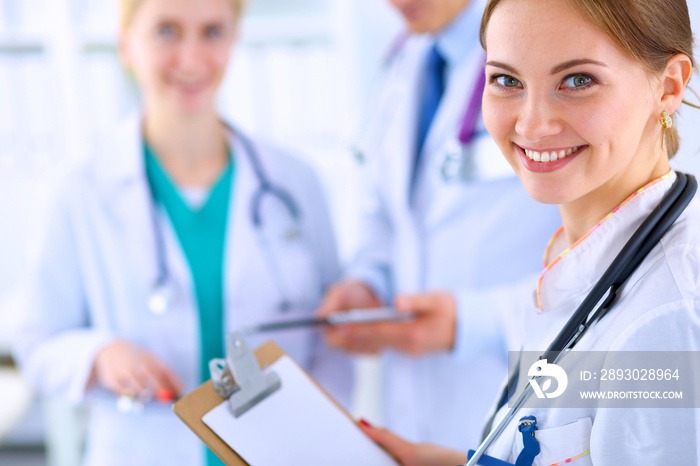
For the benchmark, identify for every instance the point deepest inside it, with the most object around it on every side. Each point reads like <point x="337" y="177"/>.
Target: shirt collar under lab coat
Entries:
<point x="571" y="271"/>
<point x="457" y="41"/>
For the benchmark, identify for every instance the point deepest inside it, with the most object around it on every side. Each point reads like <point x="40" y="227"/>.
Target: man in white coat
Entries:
<point x="438" y="219"/>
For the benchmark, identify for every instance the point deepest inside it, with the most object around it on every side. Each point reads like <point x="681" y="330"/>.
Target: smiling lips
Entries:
<point x="550" y="156"/>
<point x="548" y="161"/>
<point x="189" y="87"/>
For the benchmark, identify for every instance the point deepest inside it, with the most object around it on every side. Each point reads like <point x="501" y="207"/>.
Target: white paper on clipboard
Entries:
<point x="297" y="425"/>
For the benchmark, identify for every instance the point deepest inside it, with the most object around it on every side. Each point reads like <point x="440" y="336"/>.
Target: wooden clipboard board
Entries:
<point x="193" y="406"/>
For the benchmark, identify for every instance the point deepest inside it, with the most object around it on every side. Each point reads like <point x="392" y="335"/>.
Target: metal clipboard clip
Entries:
<point x="239" y="378"/>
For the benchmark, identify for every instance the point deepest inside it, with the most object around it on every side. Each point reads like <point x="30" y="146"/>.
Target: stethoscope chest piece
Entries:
<point x="456" y="161"/>
<point x="291" y="234"/>
<point x="160" y="298"/>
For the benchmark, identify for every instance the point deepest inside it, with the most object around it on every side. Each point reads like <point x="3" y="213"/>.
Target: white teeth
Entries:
<point x="550" y="156"/>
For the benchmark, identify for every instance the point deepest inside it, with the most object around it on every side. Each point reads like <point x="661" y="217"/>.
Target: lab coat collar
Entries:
<point x="123" y="163"/>
<point x="117" y="164"/>
<point x="457" y="41"/>
<point x="244" y="187"/>
<point x="395" y="145"/>
<point x="569" y="277"/>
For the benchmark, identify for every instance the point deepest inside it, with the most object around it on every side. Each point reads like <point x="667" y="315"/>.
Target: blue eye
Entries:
<point x="577" y="81"/>
<point x="214" y="32"/>
<point x="506" y="81"/>
<point x="167" y="31"/>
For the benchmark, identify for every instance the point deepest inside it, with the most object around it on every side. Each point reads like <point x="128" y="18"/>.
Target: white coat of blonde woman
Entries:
<point x="91" y="336"/>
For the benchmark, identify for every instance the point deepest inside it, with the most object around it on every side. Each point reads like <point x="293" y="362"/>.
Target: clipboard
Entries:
<point x="195" y="405"/>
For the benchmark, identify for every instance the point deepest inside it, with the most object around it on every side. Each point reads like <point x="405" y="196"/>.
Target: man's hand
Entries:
<point x="342" y="296"/>
<point x="432" y="330"/>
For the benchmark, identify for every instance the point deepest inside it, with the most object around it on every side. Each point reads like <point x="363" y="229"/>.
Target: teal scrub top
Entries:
<point x="202" y="235"/>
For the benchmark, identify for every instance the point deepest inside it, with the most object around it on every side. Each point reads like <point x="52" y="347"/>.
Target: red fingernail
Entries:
<point x="364" y="423"/>
<point x="165" y="395"/>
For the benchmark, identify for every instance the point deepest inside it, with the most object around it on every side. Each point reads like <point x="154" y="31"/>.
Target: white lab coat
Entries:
<point x="658" y="310"/>
<point x="464" y="236"/>
<point x="96" y="267"/>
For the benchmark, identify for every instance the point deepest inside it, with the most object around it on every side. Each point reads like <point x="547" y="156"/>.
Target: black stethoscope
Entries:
<point x="601" y="299"/>
<point x="161" y="293"/>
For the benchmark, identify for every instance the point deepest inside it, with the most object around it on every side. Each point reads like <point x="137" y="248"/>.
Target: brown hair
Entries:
<point x="127" y="9"/>
<point x="651" y="31"/>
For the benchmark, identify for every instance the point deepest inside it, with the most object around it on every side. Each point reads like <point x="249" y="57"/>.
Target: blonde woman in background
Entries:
<point x="178" y="230"/>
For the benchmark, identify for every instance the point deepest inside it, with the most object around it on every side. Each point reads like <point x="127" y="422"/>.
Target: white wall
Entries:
<point x="688" y="158"/>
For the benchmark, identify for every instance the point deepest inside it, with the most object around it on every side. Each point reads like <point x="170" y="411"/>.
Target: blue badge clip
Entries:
<point x="531" y="447"/>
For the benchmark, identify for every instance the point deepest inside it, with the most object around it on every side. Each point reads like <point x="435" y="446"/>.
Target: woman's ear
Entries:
<point x="674" y="80"/>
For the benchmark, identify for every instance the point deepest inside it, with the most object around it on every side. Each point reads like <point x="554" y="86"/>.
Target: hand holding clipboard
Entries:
<point x="273" y="410"/>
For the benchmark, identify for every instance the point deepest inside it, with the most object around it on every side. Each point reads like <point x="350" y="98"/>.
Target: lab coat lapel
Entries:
<point x="397" y="154"/>
<point x="240" y="232"/>
<point x="120" y="175"/>
<point x="397" y="150"/>
<point x="442" y="199"/>
<point x="129" y="201"/>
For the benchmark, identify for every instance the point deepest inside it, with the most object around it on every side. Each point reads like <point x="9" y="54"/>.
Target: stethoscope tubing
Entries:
<point x="265" y="186"/>
<point x="602" y="297"/>
<point x="467" y="130"/>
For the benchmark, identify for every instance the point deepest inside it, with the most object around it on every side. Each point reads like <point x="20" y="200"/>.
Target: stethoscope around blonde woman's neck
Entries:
<point x="161" y="293"/>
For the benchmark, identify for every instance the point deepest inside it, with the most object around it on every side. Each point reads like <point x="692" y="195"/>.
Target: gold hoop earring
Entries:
<point x="666" y="120"/>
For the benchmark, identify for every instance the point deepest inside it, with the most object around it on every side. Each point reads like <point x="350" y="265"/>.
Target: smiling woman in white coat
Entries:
<point x="580" y="97"/>
<point x="179" y="230"/>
